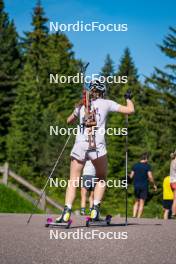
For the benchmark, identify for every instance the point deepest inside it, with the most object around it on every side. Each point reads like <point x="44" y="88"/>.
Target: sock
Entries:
<point x="69" y="205"/>
<point x="96" y="202"/>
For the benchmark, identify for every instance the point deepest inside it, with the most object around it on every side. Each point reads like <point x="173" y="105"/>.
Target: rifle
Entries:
<point x="90" y="115"/>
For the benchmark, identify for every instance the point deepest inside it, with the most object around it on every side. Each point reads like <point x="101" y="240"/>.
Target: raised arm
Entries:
<point x="128" y="109"/>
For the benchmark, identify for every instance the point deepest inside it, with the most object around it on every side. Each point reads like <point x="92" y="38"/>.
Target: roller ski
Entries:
<point x="96" y="220"/>
<point x="63" y="221"/>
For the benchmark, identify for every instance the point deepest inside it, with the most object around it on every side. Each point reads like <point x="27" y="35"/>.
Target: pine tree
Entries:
<point x="9" y="74"/>
<point x="61" y="61"/>
<point x="165" y="80"/>
<point x="116" y="143"/>
<point x="127" y="67"/>
<point x="163" y="115"/>
<point x="59" y="99"/>
<point x="35" y="42"/>
<point x="107" y="70"/>
<point x="31" y="149"/>
<point x="24" y="137"/>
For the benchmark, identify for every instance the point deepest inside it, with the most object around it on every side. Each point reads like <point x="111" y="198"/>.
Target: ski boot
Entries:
<point x="90" y="210"/>
<point x="64" y="220"/>
<point x="95" y="213"/>
<point x="65" y="217"/>
<point x="95" y="220"/>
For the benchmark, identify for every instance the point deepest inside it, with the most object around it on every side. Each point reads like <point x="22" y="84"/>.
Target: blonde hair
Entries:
<point x="173" y="155"/>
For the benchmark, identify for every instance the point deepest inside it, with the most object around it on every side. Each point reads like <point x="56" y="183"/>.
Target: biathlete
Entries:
<point x="81" y="150"/>
<point x="88" y="186"/>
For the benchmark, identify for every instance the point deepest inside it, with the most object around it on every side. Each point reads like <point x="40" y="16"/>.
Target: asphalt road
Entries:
<point x="149" y="241"/>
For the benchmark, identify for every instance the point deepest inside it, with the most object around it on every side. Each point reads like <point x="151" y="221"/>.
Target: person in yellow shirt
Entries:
<point x="168" y="197"/>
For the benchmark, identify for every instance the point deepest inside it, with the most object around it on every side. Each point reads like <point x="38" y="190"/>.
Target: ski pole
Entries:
<point x="49" y="177"/>
<point x="126" y="172"/>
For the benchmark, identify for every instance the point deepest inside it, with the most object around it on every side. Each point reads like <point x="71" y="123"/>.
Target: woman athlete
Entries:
<point x="82" y="151"/>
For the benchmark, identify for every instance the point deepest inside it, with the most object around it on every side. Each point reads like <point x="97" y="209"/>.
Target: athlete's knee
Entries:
<point x="73" y="182"/>
<point x="141" y="201"/>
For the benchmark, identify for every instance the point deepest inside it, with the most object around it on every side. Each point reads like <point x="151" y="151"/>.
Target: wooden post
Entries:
<point x="5" y="173"/>
<point x="43" y="201"/>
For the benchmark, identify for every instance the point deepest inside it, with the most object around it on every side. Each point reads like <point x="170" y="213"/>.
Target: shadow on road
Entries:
<point x="108" y="226"/>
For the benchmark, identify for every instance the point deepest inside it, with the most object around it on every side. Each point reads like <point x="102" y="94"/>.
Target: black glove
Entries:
<point x="128" y="95"/>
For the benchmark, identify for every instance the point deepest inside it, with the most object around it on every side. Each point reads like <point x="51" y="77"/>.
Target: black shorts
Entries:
<point x="89" y="182"/>
<point x="167" y="204"/>
<point x="141" y="192"/>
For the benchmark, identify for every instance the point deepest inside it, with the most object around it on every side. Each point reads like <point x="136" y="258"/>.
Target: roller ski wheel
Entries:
<point x="100" y="222"/>
<point x="88" y="219"/>
<point x="108" y="219"/>
<point x="63" y="221"/>
<point x="51" y="223"/>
